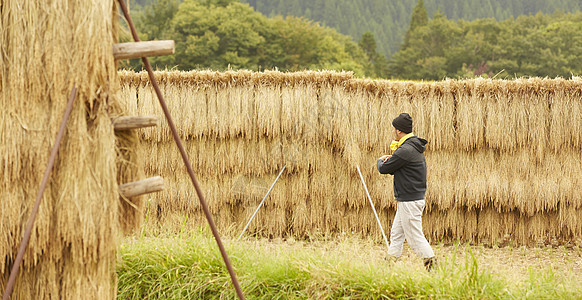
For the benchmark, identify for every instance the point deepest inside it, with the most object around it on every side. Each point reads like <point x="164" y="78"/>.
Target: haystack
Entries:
<point x="46" y="48"/>
<point x="504" y="156"/>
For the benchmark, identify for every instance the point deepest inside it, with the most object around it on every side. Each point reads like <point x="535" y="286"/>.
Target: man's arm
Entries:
<point x="391" y="165"/>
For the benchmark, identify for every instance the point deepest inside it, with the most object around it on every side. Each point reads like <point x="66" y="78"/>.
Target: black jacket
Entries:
<point x="408" y="166"/>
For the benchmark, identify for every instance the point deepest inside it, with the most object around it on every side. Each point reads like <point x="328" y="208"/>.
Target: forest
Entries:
<point x="435" y="40"/>
<point x="388" y="20"/>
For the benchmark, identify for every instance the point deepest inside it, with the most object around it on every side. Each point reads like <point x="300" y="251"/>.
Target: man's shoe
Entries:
<point x="430" y="263"/>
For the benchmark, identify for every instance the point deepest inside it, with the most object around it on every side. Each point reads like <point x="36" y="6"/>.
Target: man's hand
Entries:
<point x="384" y="158"/>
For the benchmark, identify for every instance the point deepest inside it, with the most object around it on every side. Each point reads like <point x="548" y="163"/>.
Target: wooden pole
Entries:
<point x="134" y="122"/>
<point x="143" y="49"/>
<point x="144" y="186"/>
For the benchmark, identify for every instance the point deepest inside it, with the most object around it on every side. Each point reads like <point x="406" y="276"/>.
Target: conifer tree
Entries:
<point x="418" y="18"/>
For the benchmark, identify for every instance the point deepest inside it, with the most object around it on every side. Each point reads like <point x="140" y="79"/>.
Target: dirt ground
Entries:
<point x="515" y="263"/>
<point x="512" y="263"/>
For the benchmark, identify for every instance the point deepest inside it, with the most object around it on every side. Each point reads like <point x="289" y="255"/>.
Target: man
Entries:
<point x="408" y="166"/>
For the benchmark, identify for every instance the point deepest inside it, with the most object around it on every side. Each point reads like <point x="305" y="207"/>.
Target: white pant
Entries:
<point x="408" y="225"/>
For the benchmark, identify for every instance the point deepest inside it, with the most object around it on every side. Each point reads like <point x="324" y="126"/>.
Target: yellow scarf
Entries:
<point x="395" y="144"/>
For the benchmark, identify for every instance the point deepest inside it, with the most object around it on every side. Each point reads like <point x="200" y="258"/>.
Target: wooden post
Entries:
<point x="143" y="49"/>
<point x="144" y="186"/>
<point x="134" y="122"/>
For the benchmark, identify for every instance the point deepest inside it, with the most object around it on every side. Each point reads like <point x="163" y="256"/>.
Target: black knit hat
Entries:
<point x="403" y="123"/>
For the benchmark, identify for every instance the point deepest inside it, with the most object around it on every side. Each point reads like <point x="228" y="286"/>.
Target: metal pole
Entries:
<point x="43" y="184"/>
<point x="184" y="156"/>
<point x="374" y="209"/>
<point x="263" y="201"/>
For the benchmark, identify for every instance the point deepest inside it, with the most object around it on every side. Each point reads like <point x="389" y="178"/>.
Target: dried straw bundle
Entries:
<point x="489" y="143"/>
<point x="47" y="47"/>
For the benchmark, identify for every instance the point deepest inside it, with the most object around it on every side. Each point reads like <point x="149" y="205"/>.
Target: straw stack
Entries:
<point x="504" y="157"/>
<point x="47" y="47"/>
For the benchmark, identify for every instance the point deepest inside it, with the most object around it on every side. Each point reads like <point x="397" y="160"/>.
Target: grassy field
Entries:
<point x="189" y="266"/>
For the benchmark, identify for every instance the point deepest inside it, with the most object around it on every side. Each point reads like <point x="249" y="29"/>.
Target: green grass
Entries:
<point x="190" y="267"/>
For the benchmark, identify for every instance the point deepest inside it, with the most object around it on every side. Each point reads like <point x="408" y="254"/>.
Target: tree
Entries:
<point x="154" y="21"/>
<point x="418" y="18"/>
<point x="212" y="36"/>
<point x="217" y="3"/>
<point x="368" y="44"/>
<point x="222" y="34"/>
<point x="426" y="56"/>
<point x="376" y="65"/>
